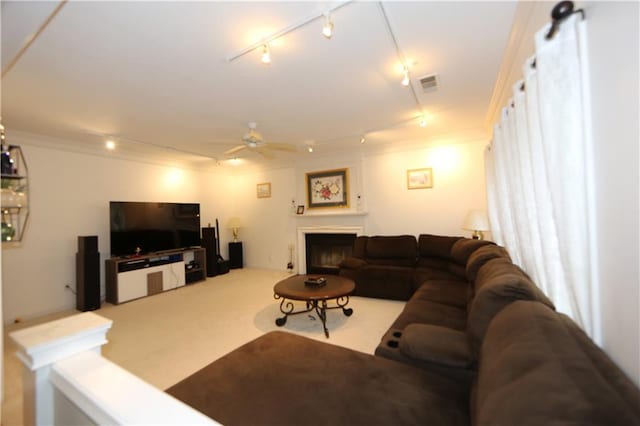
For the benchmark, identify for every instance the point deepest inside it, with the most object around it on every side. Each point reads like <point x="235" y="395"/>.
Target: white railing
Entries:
<point x="67" y="381"/>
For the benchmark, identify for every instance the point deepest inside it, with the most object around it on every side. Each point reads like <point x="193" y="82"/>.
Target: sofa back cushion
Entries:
<point x="437" y="246"/>
<point x="537" y="367"/>
<point x="481" y="256"/>
<point x="401" y="250"/>
<point x="464" y="247"/>
<point x="360" y="247"/>
<point x="498" y="284"/>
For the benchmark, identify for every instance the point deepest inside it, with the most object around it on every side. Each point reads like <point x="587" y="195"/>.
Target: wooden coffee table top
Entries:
<point x="294" y="288"/>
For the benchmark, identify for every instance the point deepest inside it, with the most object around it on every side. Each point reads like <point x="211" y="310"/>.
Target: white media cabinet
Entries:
<point x="135" y="277"/>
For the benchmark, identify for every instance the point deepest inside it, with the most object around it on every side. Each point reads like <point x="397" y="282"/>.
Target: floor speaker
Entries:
<point x="209" y="243"/>
<point x="87" y="274"/>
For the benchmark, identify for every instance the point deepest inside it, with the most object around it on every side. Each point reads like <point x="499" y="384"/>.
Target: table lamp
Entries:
<point x="234" y="224"/>
<point x="477" y="222"/>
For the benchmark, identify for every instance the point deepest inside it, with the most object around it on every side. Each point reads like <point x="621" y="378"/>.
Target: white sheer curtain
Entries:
<point x="538" y="173"/>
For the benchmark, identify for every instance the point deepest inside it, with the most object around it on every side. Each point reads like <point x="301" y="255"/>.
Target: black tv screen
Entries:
<point x="153" y="227"/>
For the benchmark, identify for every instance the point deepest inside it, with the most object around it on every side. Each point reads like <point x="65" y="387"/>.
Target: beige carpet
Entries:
<point x="166" y="337"/>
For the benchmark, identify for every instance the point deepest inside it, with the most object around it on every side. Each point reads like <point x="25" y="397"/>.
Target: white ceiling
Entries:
<point x="157" y="74"/>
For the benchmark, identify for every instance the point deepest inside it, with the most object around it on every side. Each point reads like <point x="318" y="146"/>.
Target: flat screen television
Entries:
<point x="138" y="227"/>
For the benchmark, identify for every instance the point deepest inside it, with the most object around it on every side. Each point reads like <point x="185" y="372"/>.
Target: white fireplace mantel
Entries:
<point x="331" y="229"/>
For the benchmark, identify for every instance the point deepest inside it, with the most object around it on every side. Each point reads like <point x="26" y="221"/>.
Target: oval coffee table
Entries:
<point x="316" y="297"/>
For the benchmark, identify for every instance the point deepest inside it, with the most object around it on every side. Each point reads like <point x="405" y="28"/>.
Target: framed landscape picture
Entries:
<point x="328" y="188"/>
<point x="420" y="178"/>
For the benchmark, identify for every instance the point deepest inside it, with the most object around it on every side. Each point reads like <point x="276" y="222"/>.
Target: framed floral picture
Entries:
<point x="329" y="188"/>
<point x="419" y="178"/>
<point x="264" y="190"/>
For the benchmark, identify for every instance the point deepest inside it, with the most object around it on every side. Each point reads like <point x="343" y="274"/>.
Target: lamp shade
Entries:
<point x="476" y="220"/>
<point x="234" y="222"/>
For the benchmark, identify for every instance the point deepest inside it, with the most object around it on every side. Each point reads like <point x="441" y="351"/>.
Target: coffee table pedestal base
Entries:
<point x="320" y="306"/>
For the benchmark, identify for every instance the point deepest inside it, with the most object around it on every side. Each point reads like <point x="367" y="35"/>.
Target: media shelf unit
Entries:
<point x="129" y="278"/>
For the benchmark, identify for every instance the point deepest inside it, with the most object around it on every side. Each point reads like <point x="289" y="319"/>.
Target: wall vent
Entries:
<point x="429" y="83"/>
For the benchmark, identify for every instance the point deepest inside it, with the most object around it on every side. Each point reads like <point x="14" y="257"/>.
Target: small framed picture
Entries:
<point x="420" y="178"/>
<point x="264" y="190"/>
<point x="300" y="210"/>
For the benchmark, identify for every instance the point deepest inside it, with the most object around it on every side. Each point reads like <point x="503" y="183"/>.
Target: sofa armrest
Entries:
<point x="440" y="345"/>
<point x="352" y="263"/>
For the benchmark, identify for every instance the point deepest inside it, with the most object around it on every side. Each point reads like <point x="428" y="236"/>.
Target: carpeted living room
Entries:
<point x="394" y="126"/>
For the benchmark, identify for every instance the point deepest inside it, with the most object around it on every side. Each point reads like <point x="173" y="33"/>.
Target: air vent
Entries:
<point x="429" y="83"/>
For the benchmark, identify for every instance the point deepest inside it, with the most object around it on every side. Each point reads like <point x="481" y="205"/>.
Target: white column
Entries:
<point x="42" y="345"/>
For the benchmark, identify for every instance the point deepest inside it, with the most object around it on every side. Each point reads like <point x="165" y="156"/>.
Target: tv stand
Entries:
<point x="131" y="278"/>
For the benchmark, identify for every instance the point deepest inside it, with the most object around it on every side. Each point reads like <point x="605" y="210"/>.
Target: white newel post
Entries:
<point x="43" y="345"/>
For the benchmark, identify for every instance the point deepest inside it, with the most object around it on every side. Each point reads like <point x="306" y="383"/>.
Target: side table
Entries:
<point x="235" y="255"/>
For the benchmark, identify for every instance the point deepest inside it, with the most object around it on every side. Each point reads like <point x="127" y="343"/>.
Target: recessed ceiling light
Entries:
<point x="110" y="145"/>
<point x="310" y="149"/>
<point x="423" y="121"/>
<point x="362" y="139"/>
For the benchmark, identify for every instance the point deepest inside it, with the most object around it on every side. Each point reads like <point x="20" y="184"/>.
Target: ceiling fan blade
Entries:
<point x="235" y="149"/>
<point x="282" y="147"/>
<point x="265" y="153"/>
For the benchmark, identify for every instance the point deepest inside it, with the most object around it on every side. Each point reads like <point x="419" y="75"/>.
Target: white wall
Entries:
<point x="458" y="186"/>
<point x="69" y="197"/>
<point x="380" y="180"/>
<point x="70" y="193"/>
<point x="613" y="40"/>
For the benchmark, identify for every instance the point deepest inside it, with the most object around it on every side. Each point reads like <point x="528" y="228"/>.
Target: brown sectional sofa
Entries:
<point x="477" y="343"/>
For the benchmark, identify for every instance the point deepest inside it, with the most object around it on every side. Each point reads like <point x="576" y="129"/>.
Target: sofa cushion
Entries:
<point x="381" y="281"/>
<point x="481" y="256"/>
<point x="352" y="263"/>
<point x="537" y="367"/>
<point x="498" y="284"/>
<point x="448" y="292"/>
<point x="462" y="249"/>
<point x="401" y="250"/>
<point x="436" y="344"/>
<point x="436" y="245"/>
<point x="423" y="274"/>
<point x="360" y="247"/>
<point x="284" y="379"/>
<point x="426" y="312"/>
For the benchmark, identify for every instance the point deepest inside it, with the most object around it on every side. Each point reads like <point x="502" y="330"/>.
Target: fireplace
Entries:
<point x="329" y="261"/>
<point x="324" y="252"/>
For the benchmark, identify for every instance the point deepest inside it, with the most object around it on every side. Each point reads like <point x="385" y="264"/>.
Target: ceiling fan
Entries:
<point x="253" y="141"/>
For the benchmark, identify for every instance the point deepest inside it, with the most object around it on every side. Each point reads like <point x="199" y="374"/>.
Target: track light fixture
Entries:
<point x="405" y="77"/>
<point x="327" y="28"/>
<point x="266" y="55"/>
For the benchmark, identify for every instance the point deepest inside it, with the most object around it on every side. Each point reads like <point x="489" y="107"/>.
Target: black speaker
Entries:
<point x="87" y="274"/>
<point x="209" y="243"/>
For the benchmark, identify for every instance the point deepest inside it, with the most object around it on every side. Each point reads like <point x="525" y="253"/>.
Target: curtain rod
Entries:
<point x="559" y="13"/>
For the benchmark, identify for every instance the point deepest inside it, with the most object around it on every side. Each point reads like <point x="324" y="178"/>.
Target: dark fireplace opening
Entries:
<point x="326" y="251"/>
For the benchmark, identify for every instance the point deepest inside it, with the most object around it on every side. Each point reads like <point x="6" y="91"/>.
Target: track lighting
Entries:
<point x="405" y="78"/>
<point x="266" y="55"/>
<point x="327" y="28"/>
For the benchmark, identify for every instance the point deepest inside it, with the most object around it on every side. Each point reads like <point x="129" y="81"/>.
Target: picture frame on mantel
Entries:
<point x="328" y="188"/>
<point x="264" y="190"/>
<point x="420" y="178"/>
